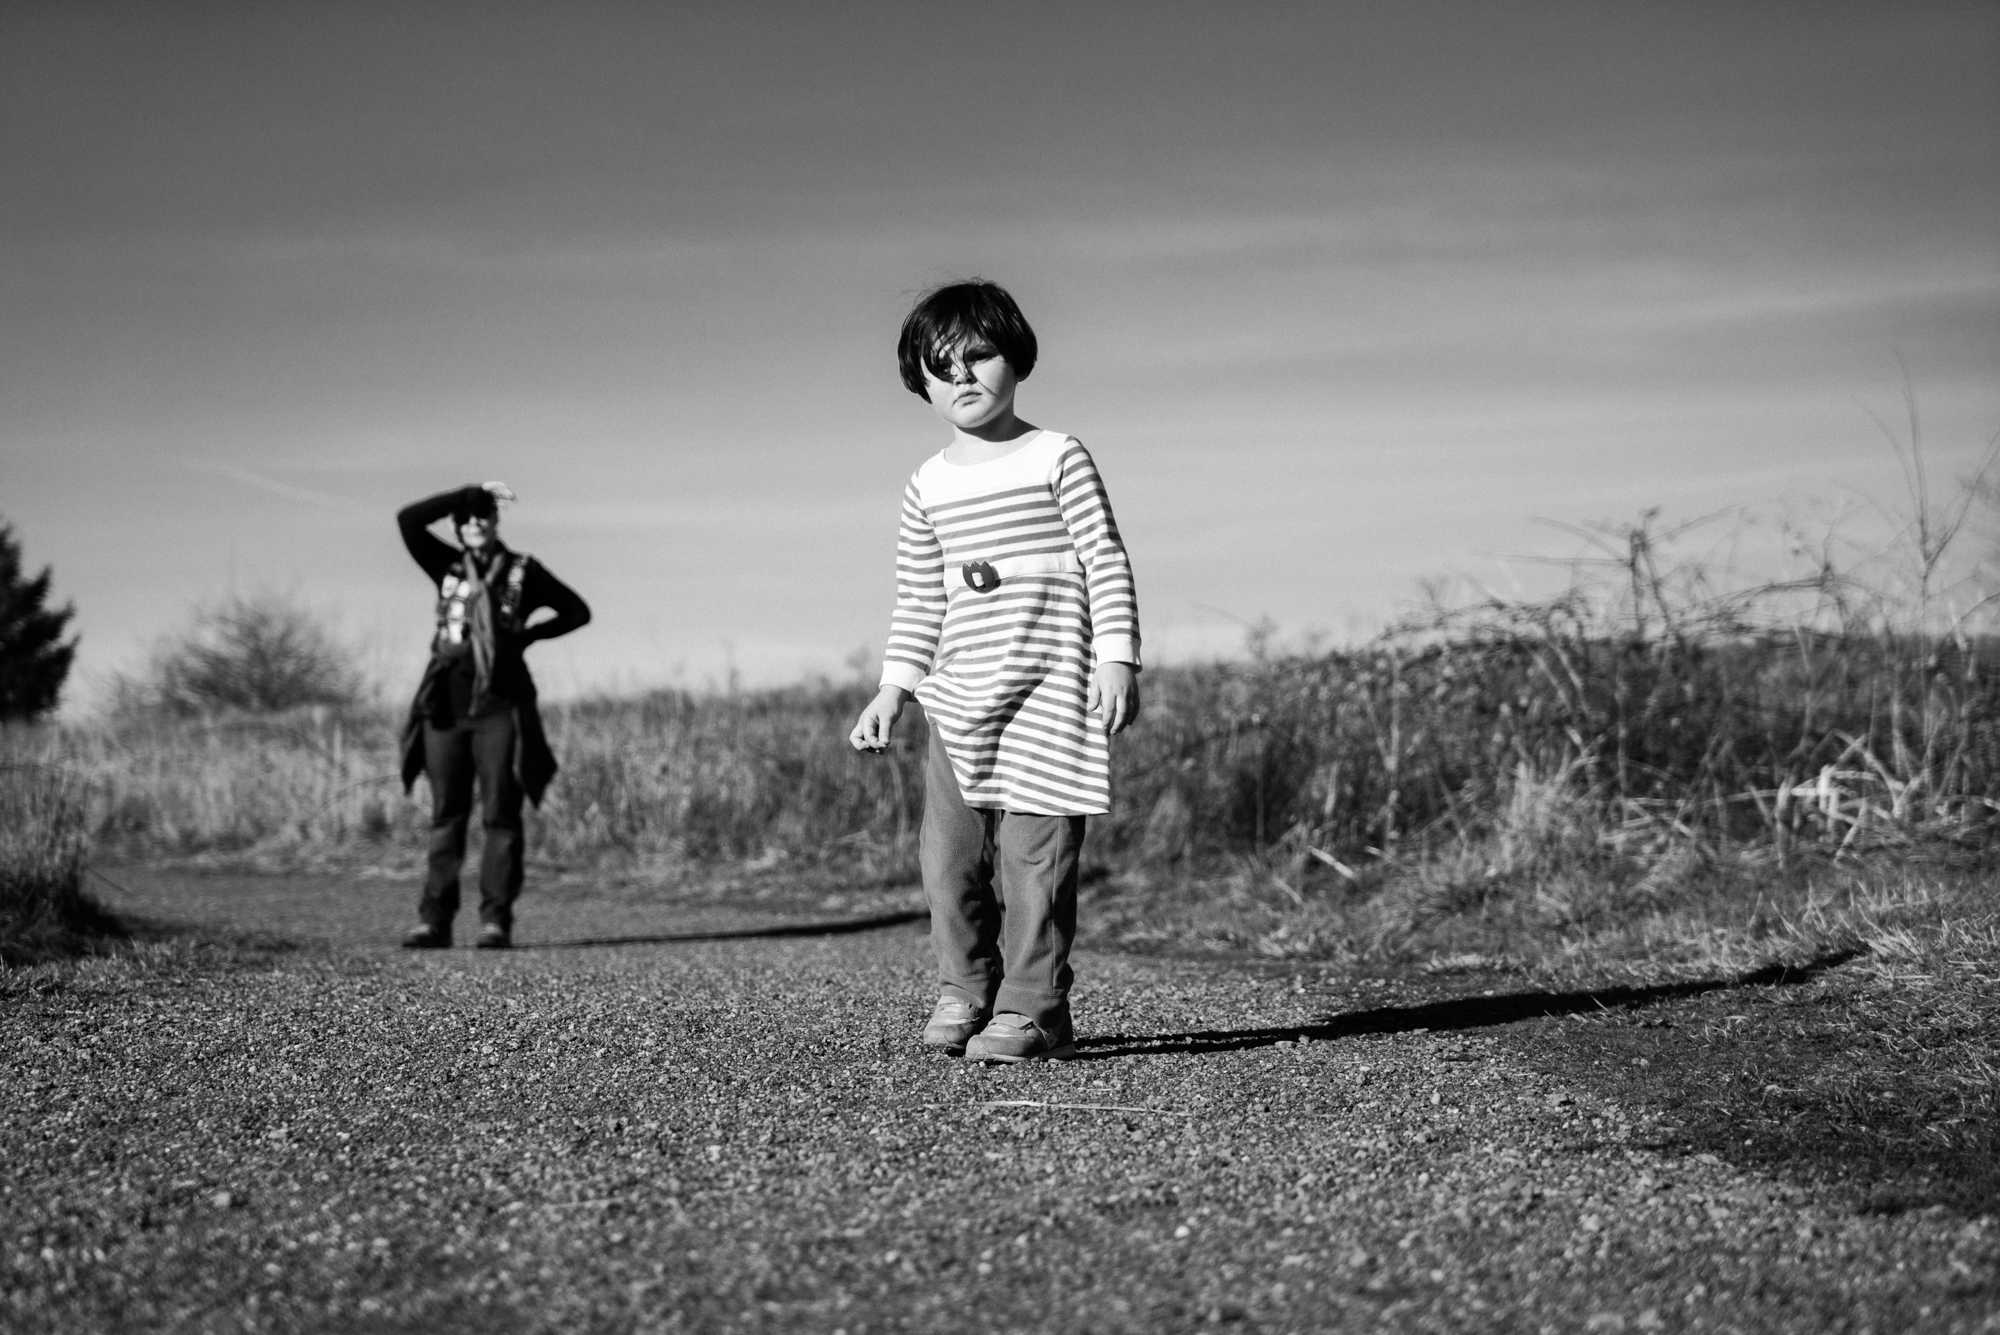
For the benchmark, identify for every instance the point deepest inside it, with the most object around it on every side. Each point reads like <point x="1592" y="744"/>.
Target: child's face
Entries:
<point x="977" y="387"/>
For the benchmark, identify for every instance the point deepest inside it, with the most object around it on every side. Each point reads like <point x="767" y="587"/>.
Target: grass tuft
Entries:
<point x="43" y="851"/>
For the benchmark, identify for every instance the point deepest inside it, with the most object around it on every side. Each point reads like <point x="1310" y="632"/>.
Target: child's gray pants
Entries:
<point x="1005" y="948"/>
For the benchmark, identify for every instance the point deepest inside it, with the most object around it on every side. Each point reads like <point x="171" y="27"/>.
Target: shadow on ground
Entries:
<point x="1758" y="1069"/>
<point x="837" y="927"/>
<point x="1456" y="1013"/>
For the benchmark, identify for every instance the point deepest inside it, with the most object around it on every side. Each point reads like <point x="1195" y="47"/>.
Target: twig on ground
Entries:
<point x="1066" y="1107"/>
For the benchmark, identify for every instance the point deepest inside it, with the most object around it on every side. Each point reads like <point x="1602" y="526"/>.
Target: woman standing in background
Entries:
<point x="475" y="714"/>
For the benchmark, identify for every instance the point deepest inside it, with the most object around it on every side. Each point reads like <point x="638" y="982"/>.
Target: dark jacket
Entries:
<point x="534" y="762"/>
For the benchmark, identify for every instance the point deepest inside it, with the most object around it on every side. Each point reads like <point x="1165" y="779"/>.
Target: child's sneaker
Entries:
<point x="953" y="1021"/>
<point x="1016" y="1038"/>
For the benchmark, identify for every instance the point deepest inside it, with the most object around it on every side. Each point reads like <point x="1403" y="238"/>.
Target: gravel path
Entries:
<point x="743" y="1133"/>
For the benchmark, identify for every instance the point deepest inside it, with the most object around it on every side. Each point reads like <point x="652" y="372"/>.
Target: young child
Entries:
<point x="1017" y="628"/>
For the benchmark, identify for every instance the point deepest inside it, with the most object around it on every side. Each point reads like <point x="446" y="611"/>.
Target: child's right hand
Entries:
<point x="878" y="720"/>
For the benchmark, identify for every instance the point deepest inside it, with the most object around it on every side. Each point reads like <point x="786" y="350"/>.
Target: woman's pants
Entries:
<point x="482" y="747"/>
<point x="1002" y="892"/>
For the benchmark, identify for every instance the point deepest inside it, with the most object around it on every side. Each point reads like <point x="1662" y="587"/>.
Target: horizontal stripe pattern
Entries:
<point x="1004" y="676"/>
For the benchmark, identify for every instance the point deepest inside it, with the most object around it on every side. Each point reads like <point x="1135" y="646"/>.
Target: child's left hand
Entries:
<point x="1114" y="694"/>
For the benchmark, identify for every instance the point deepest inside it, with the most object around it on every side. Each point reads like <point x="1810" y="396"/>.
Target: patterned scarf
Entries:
<point x="479" y="628"/>
<point x="478" y="597"/>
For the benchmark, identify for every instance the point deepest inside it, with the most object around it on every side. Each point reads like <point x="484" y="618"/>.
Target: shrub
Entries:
<point x="257" y="654"/>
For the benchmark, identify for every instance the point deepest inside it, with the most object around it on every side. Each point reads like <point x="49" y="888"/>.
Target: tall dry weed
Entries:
<point x="44" y="844"/>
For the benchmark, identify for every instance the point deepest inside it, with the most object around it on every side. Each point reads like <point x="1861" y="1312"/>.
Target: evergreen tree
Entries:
<point x="34" y="658"/>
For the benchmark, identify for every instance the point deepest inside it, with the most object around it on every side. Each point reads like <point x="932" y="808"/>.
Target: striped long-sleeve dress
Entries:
<point x="1003" y="668"/>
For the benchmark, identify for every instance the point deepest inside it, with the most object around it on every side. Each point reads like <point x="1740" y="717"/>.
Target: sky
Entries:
<point x="1341" y="296"/>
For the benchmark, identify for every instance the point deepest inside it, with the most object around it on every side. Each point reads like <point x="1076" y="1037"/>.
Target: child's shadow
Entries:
<point x="1456" y="1013"/>
<point x="840" y="927"/>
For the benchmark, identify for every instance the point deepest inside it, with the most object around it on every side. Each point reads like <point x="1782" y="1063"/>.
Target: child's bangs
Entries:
<point x="946" y="340"/>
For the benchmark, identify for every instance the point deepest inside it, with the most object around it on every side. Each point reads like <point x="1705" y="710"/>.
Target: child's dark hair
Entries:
<point x="946" y="315"/>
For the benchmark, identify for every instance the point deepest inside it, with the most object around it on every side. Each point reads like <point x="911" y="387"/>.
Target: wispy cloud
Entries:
<point x="290" y="491"/>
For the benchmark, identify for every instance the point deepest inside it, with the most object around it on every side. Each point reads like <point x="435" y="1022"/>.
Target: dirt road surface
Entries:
<point x="661" y="1119"/>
